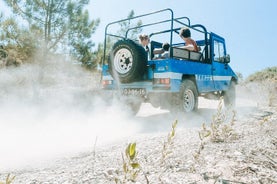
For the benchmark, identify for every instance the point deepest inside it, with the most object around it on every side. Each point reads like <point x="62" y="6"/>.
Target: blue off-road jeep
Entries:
<point x="174" y="82"/>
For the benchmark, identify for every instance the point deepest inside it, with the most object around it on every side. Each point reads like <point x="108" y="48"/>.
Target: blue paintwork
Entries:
<point x="209" y="75"/>
<point x="203" y="73"/>
<point x="220" y="68"/>
<point x="185" y="67"/>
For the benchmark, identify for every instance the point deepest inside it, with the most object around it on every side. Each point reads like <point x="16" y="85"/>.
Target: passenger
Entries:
<point x="162" y="53"/>
<point x="165" y="47"/>
<point x="190" y="43"/>
<point x="144" y="41"/>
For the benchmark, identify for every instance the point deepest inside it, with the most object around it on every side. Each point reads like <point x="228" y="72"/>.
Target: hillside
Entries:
<point x="265" y="74"/>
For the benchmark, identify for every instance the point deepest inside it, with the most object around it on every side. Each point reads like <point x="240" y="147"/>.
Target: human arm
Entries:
<point x="189" y="47"/>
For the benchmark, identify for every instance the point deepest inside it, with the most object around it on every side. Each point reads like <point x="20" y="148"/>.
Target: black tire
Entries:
<point x="229" y="96"/>
<point x="159" y="100"/>
<point x="132" y="104"/>
<point x="127" y="61"/>
<point x="134" y="107"/>
<point x="169" y="101"/>
<point x="154" y="99"/>
<point x="188" y="96"/>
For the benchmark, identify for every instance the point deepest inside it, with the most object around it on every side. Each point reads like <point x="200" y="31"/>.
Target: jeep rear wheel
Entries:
<point x="189" y="96"/>
<point x="127" y="61"/>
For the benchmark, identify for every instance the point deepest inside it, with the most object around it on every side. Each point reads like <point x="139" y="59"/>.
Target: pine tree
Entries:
<point x="59" y="25"/>
<point x="126" y="25"/>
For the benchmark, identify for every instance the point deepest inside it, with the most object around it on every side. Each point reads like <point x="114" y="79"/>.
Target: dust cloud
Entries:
<point x="51" y="110"/>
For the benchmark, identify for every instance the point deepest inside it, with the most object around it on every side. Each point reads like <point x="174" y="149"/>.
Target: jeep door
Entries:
<point x="220" y="69"/>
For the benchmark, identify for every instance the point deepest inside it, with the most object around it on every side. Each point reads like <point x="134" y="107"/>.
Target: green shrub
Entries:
<point x="266" y="74"/>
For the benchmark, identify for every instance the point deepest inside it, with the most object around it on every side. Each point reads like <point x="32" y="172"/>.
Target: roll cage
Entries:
<point x="180" y="21"/>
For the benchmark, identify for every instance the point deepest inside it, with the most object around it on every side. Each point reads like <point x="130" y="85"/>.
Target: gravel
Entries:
<point x="246" y="154"/>
<point x="250" y="156"/>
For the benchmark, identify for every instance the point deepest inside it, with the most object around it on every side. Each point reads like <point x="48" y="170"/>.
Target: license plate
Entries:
<point x="134" y="91"/>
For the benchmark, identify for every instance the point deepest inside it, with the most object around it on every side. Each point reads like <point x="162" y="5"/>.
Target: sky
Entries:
<point x="248" y="26"/>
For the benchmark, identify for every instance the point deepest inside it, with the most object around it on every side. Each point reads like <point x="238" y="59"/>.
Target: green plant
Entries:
<point x="9" y="179"/>
<point x="131" y="167"/>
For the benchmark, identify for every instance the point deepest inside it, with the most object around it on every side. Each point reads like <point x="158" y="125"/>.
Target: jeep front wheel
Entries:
<point x="229" y="96"/>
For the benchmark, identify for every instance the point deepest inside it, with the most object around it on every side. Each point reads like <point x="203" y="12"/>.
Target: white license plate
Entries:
<point x="134" y="91"/>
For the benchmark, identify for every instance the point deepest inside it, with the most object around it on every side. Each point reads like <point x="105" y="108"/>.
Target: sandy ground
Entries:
<point x="82" y="141"/>
<point x="249" y="157"/>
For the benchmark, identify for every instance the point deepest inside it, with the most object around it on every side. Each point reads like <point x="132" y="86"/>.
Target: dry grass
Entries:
<point x="8" y="180"/>
<point x="168" y="143"/>
<point x="220" y="129"/>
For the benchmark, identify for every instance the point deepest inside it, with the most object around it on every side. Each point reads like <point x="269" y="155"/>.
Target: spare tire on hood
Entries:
<point x="127" y="61"/>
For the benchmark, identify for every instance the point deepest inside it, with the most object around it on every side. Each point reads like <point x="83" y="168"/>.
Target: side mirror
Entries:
<point x="227" y="58"/>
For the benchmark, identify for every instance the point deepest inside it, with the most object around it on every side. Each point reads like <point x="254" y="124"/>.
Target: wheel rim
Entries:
<point x="188" y="100"/>
<point x="123" y="61"/>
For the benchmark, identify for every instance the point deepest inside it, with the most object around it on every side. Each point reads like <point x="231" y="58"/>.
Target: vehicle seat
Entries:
<point x="182" y="53"/>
